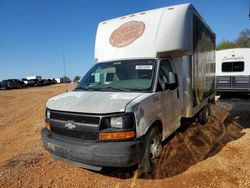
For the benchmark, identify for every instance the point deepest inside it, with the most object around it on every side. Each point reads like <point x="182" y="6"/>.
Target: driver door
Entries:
<point x="170" y="101"/>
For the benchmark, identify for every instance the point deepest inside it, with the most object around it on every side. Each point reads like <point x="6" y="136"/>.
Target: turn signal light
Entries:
<point x="47" y="126"/>
<point x="117" y="135"/>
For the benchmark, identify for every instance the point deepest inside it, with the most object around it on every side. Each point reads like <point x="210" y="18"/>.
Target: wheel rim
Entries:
<point x="155" y="148"/>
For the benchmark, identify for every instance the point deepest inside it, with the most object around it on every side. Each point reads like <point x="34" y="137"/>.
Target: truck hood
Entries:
<point x="91" y="102"/>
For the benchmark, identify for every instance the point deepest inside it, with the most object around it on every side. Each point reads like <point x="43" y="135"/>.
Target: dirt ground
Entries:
<point x="213" y="155"/>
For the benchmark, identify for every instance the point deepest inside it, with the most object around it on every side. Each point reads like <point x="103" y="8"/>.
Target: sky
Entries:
<point x="34" y="34"/>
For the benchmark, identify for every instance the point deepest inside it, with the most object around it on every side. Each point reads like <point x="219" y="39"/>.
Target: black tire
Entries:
<point x="152" y="152"/>
<point x="204" y="115"/>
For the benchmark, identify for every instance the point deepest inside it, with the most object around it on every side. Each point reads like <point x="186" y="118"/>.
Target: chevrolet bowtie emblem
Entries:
<point x="70" y="125"/>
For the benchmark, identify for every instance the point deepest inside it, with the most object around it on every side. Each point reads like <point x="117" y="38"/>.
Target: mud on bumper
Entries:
<point x="93" y="155"/>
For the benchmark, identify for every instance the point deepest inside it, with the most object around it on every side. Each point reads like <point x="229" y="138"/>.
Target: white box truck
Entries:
<point x="34" y="77"/>
<point x="233" y="70"/>
<point x="154" y="68"/>
<point x="58" y="80"/>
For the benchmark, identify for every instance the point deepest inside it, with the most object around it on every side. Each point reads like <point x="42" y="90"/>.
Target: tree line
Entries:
<point x="243" y="41"/>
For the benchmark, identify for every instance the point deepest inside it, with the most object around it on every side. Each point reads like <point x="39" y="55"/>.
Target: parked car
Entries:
<point x="12" y="84"/>
<point x="21" y="84"/>
<point x="28" y="83"/>
<point x="35" y="82"/>
<point x="53" y="81"/>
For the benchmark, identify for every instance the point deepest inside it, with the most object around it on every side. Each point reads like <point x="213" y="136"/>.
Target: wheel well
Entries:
<point x="157" y="124"/>
<point x="211" y="100"/>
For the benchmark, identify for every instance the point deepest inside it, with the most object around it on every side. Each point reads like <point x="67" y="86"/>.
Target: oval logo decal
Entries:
<point x="126" y="33"/>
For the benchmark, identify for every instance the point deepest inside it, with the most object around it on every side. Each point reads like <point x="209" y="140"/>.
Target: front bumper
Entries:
<point x="93" y="155"/>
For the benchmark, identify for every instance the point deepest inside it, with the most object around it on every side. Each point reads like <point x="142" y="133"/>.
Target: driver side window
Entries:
<point x="163" y="79"/>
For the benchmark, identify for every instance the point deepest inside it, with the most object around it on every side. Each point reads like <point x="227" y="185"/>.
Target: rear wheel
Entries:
<point x="153" y="150"/>
<point x="204" y="115"/>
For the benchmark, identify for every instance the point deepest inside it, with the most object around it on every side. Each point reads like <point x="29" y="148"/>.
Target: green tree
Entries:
<point x="225" y="44"/>
<point x="77" y="79"/>
<point x="65" y="79"/>
<point x="243" y="41"/>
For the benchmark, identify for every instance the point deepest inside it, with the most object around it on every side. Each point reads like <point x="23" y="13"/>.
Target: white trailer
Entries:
<point x="233" y="70"/>
<point x="34" y="77"/>
<point x="58" y="80"/>
<point x="154" y="68"/>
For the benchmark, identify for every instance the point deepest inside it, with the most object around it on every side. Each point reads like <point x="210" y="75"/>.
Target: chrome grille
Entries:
<point x="79" y="118"/>
<point x="85" y="127"/>
<point x="83" y="135"/>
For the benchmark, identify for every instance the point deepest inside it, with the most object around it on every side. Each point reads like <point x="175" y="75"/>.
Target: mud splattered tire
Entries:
<point x="153" y="150"/>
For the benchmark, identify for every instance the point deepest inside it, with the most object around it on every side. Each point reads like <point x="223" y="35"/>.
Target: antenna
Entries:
<point x="64" y="67"/>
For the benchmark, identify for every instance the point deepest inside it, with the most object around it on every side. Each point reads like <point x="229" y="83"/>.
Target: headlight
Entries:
<point x="116" y="122"/>
<point x="123" y="121"/>
<point x="47" y="114"/>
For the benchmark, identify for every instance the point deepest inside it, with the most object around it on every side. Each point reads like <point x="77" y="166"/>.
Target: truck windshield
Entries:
<point x="129" y="75"/>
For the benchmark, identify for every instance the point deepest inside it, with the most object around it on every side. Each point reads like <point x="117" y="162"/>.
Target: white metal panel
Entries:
<point x="231" y="55"/>
<point x="166" y="29"/>
<point x="34" y="77"/>
<point x="92" y="102"/>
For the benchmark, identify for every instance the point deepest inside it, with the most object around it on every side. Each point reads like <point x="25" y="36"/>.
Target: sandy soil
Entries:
<point x="212" y="155"/>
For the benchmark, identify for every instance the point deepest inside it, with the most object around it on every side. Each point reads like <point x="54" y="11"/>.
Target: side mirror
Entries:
<point x="173" y="81"/>
<point x="171" y="77"/>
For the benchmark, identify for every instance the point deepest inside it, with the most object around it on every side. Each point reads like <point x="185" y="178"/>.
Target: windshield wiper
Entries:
<point x="112" y="89"/>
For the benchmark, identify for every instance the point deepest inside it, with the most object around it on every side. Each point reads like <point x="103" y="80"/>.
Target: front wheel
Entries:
<point x="153" y="150"/>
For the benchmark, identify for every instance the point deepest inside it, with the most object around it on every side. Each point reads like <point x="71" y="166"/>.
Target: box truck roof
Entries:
<point x="147" y="34"/>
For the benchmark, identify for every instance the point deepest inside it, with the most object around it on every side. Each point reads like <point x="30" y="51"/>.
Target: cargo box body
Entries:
<point x="176" y="32"/>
